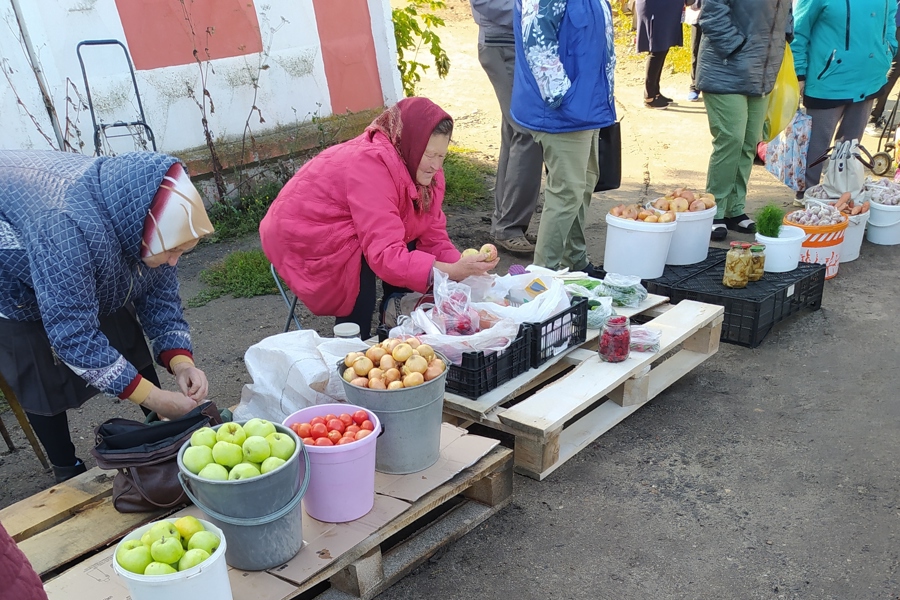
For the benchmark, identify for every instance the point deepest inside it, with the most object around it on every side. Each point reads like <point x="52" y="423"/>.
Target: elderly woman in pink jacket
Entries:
<point x="367" y="208"/>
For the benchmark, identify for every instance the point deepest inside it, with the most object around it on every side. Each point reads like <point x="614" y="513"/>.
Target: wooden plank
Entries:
<point x="558" y="402"/>
<point x="536" y="455"/>
<point x="94" y="527"/>
<point x="360" y="579"/>
<point x="56" y="504"/>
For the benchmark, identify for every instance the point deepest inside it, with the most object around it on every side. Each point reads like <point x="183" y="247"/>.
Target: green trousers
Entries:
<point x="572" y="173"/>
<point x="736" y="124"/>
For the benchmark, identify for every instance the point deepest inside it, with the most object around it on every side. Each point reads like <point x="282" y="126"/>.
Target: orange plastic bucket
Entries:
<point x="822" y="244"/>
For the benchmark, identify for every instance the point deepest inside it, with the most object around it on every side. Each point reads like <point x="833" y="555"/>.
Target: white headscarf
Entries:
<point x="176" y="216"/>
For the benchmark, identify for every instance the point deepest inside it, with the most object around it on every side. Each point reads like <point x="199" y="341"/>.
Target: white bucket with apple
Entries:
<point x="205" y="573"/>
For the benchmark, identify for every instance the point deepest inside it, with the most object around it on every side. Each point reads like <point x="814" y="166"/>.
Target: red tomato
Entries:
<point x="367" y="424"/>
<point x="346" y="419"/>
<point x="315" y="420"/>
<point x="318" y="431"/>
<point x="309" y="441"/>
<point x="329" y="417"/>
<point x="360" y="416"/>
<point x="363" y="433"/>
<point x="302" y="429"/>
<point x="345" y="440"/>
<point x="324" y="441"/>
<point x="351" y="429"/>
<point x="334" y="436"/>
<point x="335" y="425"/>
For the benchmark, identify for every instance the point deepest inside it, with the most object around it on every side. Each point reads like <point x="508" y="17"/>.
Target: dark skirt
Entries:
<point x="43" y="384"/>
<point x="658" y="24"/>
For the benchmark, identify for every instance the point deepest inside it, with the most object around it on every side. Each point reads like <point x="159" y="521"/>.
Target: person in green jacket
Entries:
<point x="842" y="53"/>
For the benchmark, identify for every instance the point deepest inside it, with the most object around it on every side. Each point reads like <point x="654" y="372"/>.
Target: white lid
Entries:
<point x="346" y="330"/>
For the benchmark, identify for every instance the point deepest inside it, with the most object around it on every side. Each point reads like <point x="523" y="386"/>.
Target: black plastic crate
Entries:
<point x="559" y="332"/>
<point x="751" y="312"/>
<point x="676" y="273"/>
<point x="482" y="372"/>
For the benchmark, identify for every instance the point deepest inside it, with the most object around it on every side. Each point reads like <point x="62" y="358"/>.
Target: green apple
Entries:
<point x="214" y="471"/>
<point x="204" y="437"/>
<point x="158" y="568"/>
<point x="243" y="471"/>
<point x="231" y="432"/>
<point x="281" y="445"/>
<point x="158" y="530"/>
<point x="227" y="454"/>
<point x="256" y="449"/>
<point x="270" y="464"/>
<point x="192" y="558"/>
<point x="167" y="550"/>
<point x="188" y="526"/>
<point x="197" y="457"/>
<point x="133" y="556"/>
<point x="259" y="427"/>
<point x="204" y="540"/>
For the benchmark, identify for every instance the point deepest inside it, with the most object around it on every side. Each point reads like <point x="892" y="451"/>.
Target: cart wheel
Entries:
<point x="881" y="163"/>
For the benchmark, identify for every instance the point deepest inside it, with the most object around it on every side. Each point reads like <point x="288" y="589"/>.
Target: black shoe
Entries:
<point x="658" y="103"/>
<point x="719" y="230"/>
<point x="741" y="224"/>
<point x="666" y="98"/>
<point x="66" y="473"/>
<point x="593" y="271"/>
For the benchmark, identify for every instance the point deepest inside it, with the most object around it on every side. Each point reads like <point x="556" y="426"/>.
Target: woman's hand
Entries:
<point x="467" y="266"/>
<point x="191" y="381"/>
<point x="169" y="405"/>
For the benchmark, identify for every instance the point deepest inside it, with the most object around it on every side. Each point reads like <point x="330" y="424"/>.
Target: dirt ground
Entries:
<point x="764" y="473"/>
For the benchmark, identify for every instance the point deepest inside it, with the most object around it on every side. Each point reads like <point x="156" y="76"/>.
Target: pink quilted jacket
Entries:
<point x="18" y="581"/>
<point x="353" y="200"/>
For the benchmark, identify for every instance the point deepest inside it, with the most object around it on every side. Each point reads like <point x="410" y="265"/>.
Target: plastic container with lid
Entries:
<point x="615" y="339"/>
<point x="737" y="265"/>
<point x="757" y="262"/>
<point x="346" y="330"/>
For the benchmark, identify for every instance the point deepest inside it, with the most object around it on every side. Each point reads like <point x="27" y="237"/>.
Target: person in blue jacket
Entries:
<point x="88" y="248"/>
<point x="842" y="53"/>
<point x="563" y="95"/>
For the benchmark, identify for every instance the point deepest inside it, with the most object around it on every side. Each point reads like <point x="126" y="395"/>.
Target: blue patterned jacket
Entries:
<point x="70" y="242"/>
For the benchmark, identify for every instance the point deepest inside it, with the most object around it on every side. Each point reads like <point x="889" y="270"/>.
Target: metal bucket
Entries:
<point x="411" y="420"/>
<point x="259" y="543"/>
<point x="247" y="498"/>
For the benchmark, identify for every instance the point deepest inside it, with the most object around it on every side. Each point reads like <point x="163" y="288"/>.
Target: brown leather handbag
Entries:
<point x="146" y="458"/>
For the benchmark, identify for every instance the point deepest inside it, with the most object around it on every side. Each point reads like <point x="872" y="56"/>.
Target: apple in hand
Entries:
<point x="243" y="471"/>
<point x="259" y="427"/>
<point x="256" y="449"/>
<point x="158" y="568"/>
<point x="281" y="445"/>
<point x="204" y="540"/>
<point x="231" y="432"/>
<point x="197" y="457"/>
<point x="167" y="550"/>
<point x="187" y="526"/>
<point x="158" y="530"/>
<point x="227" y="454"/>
<point x="214" y="471"/>
<point x="133" y="556"/>
<point x="469" y="252"/>
<point x="490" y="251"/>
<point x="204" y="437"/>
<point x="192" y="558"/>
<point x="270" y="464"/>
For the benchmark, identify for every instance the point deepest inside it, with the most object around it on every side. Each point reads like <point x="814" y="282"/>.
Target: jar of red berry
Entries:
<point x="615" y="339"/>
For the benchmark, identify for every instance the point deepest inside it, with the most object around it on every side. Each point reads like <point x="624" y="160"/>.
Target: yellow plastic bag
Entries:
<point x="784" y="98"/>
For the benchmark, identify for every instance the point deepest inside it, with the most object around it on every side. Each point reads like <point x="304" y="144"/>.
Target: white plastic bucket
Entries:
<point x="884" y="224"/>
<point x="209" y="579"/>
<point x="853" y="237"/>
<point x="783" y="252"/>
<point x="690" y="242"/>
<point x="637" y="248"/>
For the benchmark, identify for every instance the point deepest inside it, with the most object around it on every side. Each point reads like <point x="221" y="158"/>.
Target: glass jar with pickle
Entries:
<point x="757" y="262"/>
<point x="737" y="266"/>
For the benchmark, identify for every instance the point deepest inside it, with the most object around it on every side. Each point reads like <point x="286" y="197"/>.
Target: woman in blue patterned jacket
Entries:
<point x="83" y="242"/>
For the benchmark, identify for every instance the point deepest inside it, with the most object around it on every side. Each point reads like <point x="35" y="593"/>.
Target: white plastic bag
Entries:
<point x="291" y="371"/>
<point x="546" y="304"/>
<point x="419" y="324"/>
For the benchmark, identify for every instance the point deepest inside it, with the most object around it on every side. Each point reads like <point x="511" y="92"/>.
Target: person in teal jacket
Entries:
<point x="842" y="53"/>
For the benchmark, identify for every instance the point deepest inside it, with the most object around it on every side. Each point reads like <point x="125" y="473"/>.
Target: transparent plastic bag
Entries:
<point x="625" y="290"/>
<point x="453" y="311"/>
<point x="645" y="339"/>
<point x="420" y="324"/>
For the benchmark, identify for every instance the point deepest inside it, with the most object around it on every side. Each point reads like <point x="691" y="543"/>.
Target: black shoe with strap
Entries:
<point x="741" y="224"/>
<point x="65" y="473"/>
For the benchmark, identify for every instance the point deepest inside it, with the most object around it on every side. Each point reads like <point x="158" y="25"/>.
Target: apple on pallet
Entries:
<point x="167" y="548"/>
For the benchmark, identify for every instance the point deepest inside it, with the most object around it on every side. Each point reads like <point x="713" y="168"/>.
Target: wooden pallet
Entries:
<point x="555" y="422"/>
<point x="69" y="520"/>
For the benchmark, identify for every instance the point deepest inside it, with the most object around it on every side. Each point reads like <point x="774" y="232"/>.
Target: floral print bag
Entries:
<point x="786" y="154"/>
